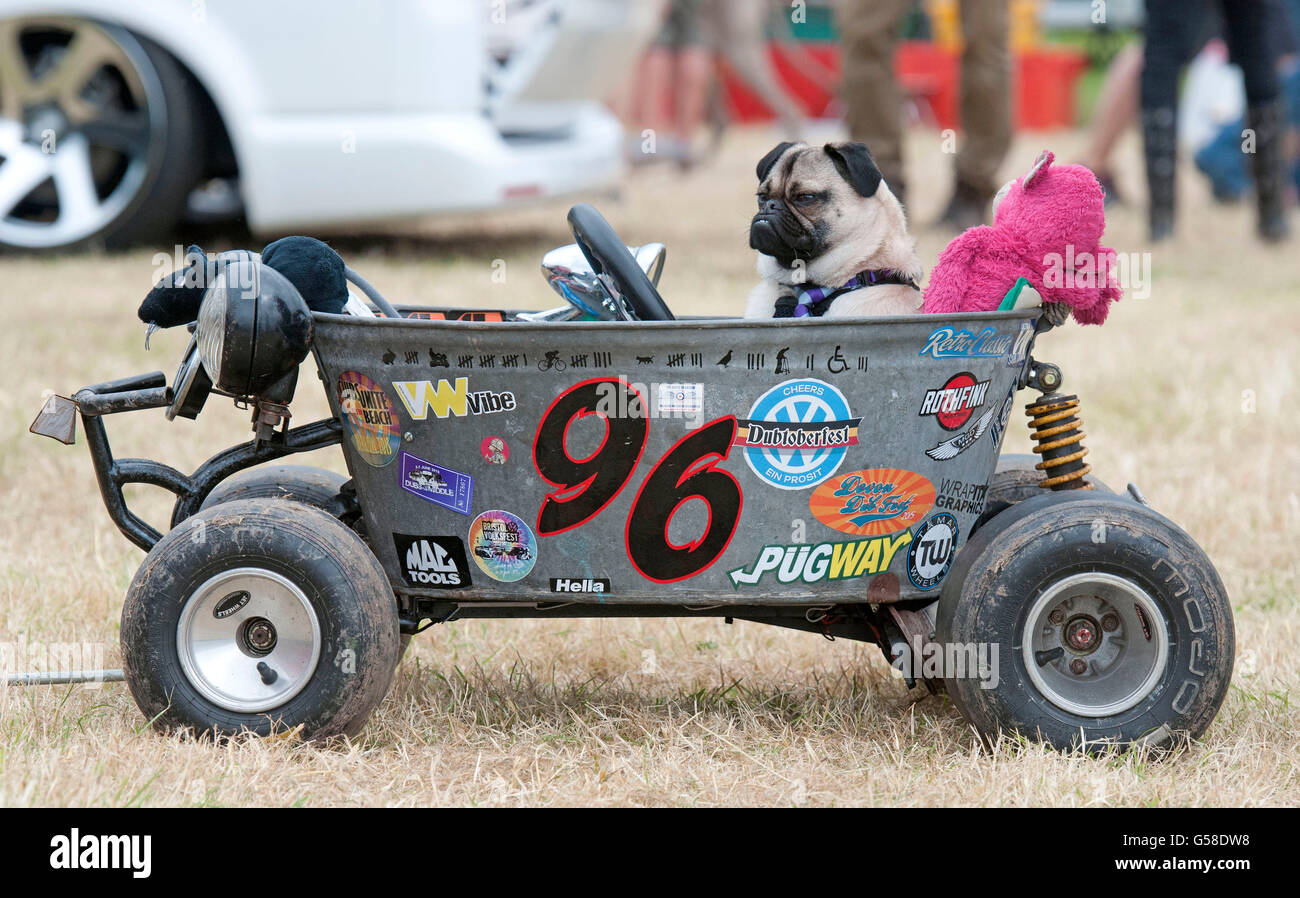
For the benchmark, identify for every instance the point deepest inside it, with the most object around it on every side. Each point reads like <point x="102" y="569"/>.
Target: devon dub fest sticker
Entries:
<point x="502" y="546"/>
<point x="369" y="418"/>
<point x="873" y="501"/>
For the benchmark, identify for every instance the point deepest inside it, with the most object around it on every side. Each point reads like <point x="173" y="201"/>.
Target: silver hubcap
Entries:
<point x="248" y="640"/>
<point x="78" y="106"/>
<point x="1095" y="644"/>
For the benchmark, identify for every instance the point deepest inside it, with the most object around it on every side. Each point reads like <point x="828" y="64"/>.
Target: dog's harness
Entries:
<point x="815" y="301"/>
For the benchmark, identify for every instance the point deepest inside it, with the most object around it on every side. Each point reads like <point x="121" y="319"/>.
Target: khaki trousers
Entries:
<point x="868" y="33"/>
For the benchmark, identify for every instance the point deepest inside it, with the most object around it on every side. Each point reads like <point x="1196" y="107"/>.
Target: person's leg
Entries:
<point x="1247" y="24"/>
<point x="873" y="106"/>
<point x="694" y="75"/>
<point x="1163" y="58"/>
<point x="1116" y="110"/>
<point x="985" y="109"/>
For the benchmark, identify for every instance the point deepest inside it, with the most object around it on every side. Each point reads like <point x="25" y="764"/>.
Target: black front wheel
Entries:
<point x="1094" y="621"/>
<point x="259" y="615"/>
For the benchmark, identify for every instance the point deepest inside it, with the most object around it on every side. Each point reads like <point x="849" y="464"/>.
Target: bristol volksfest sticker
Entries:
<point x="797" y="433"/>
<point x="369" y="418"/>
<point x="934" y="545"/>
<point x="439" y="485"/>
<point x="502" y="545"/>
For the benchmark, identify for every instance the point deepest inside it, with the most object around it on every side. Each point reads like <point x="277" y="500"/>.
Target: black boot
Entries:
<point x="966" y="209"/>
<point x="1267" y="122"/>
<point x="1158" y="136"/>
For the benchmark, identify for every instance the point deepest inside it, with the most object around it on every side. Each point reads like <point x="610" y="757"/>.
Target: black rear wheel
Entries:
<point x="259" y="615"/>
<point x="1106" y="623"/>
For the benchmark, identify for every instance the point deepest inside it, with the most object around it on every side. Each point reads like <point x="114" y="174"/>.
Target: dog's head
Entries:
<point x="814" y="199"/>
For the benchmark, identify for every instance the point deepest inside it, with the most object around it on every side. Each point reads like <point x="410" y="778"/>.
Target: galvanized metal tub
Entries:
<point x="695" y="462"/>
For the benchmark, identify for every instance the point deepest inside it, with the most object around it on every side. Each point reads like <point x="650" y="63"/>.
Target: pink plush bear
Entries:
<point x="1046" y="228"/>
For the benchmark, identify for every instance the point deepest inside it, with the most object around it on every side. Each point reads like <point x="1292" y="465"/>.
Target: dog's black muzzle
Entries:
<point x="776" y="232"/>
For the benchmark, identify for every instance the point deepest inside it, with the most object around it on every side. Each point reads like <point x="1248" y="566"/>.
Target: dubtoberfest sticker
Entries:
<point x="369" y="418"/>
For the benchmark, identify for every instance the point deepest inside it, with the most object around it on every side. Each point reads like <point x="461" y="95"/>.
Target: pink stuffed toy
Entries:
<point x="1046" y="228"/>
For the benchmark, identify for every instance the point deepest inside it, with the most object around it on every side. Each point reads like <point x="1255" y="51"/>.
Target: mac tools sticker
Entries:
<point x="434" y="561"/>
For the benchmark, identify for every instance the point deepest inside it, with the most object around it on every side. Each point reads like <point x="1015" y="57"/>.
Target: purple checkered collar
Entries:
<point x="814" y="301"/>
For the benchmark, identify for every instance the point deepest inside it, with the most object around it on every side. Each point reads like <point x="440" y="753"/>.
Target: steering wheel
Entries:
<point x="609" y="256"/>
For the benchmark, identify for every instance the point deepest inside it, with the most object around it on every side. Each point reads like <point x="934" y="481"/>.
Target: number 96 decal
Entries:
<point x="585" y="486"/>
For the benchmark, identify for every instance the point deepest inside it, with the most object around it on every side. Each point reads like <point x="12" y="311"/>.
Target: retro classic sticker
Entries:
<point x="502" y="545"/>
<point x="933" y="547"/>
<point x="432" y="561"/>
<point x="873" y="501"/>
<point x="952" y="343"/>
<point x="797" y="433"/>
<point x="369" y="418"/>
<point x="436" y="484"/>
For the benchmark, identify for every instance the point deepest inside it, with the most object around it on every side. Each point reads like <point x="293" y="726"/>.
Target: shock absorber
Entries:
<point x="1055" y="427"/>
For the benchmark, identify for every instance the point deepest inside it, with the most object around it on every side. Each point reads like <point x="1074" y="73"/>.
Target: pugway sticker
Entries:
<point x="797" y="433"/>
<point x="824" y="561"/>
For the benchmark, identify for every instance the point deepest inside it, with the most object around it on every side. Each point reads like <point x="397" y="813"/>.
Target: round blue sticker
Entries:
<point x="797" y="433"/>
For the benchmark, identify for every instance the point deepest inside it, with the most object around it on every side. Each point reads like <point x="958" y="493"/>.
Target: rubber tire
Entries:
<point x="175" y="167"/>
<point x="162" y="200"/>
<point x="316" y="487"/>
<point x="328" y="562"/>
<point x="1004" y="566"/>
<point x="1016" y="479"/>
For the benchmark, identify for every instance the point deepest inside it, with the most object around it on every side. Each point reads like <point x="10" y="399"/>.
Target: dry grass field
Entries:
<point x="1190" y="392"/>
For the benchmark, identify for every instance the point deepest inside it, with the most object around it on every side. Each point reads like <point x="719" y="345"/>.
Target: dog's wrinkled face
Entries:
<point x="812" y="199"/>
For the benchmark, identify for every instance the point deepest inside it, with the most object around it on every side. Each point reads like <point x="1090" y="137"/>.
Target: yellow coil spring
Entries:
<point x="1054" y="426"/>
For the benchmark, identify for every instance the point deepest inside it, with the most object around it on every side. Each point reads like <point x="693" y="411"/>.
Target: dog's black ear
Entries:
<point x="855" y="165"/>
<point x="765" y="164"/>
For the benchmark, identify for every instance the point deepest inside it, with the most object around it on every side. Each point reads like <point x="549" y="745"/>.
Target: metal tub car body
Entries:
<point x="843" y="477"/>
<point x="695" y="462"/>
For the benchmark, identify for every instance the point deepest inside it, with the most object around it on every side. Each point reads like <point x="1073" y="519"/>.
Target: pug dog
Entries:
<point x="832" y="239"/>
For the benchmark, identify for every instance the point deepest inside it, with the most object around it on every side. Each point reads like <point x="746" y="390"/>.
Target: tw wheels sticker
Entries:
<point x="797" y="433"/>
<point x="933" y="548"/>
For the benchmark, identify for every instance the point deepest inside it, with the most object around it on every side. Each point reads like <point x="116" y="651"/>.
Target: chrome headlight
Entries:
<point x="211" y="328"/>
<point x="253" y="329"/>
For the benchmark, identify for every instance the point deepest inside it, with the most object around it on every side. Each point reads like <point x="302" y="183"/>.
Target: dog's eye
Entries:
<point x="804" y="199"/>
